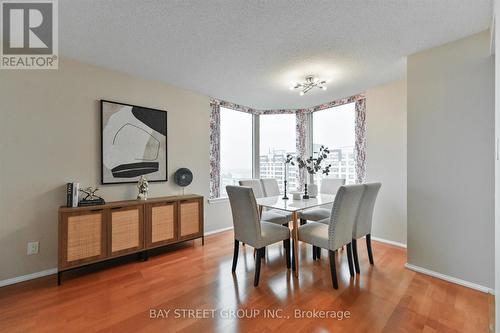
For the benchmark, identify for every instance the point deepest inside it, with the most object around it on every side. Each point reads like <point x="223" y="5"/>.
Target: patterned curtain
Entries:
<point x="360" y="144"/>
<point x="301" y="141"/>
<point x="214" y="149"/>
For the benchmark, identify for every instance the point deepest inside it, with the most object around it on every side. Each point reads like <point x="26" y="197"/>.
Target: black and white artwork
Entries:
<point x="134" y="143"/>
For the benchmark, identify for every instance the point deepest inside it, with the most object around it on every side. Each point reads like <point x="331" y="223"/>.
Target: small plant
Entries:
<point x="314" y="165"/>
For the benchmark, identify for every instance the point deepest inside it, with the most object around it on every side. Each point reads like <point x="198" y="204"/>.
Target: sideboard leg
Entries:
<point x="145" y="256"/>
<point x="202" y="240"/>
<point x="59" y="278"/>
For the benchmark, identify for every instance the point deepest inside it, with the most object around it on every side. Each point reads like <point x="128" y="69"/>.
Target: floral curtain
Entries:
<point x="214" y="149"/>
<point x="302" y="119"/>
<point x="360" y="139"/>
<point x="301" y="125"/>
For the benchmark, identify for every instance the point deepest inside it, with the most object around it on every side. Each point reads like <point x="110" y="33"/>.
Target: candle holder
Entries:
<point x="305" y="196"/>
<point x="287" y="160"/>
<point x="284" y="196"/>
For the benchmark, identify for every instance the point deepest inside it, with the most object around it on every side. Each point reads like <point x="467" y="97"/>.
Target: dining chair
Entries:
<point x="248" y="227"/>
<point x="270" y="186"/>
<point x="338" y="232"/>
<point x="328" y="186"/>
<point x="270" y="215"/>
<point x="363" y="224"/>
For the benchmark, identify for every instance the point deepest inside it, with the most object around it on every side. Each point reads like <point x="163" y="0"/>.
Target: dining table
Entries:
<point x="294" y="206"/>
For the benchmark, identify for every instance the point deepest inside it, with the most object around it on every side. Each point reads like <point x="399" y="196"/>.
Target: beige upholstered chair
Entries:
<point x="270" y="215"/>
<point x="249" y="229"/>
<point x="270" y="186"/>
<point x="363" y="224"/>
<point x="328" y="186"/>
<point x="338" y="232"/>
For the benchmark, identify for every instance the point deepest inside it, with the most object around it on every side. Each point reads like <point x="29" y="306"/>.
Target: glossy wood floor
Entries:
<point x="118" y="297"/>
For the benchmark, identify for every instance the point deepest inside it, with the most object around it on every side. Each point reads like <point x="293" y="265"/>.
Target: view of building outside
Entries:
<point x="277" y="139"/>
<point x="334" y="128"/>
<point x="272" y="165"/>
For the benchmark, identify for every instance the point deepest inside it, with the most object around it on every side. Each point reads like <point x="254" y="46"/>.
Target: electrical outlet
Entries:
<point x="33" y="248"/>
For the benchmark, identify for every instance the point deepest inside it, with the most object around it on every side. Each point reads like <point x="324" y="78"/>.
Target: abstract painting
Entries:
<point x="134" y="143"/>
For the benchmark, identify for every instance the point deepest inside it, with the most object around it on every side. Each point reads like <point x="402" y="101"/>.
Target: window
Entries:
<point x="235" y="148"/>
<point x="239" y="150"/>
<point x="277" y="139"/>
<point x="335" y="129"/>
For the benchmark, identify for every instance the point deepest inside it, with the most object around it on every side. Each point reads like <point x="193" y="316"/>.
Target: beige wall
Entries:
<point x="451" y="160"/>
<point x="49" y="135"/>
<point x="386" y="158"/>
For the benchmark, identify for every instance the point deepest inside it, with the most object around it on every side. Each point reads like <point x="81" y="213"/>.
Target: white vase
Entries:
<point x="312" y="190"/>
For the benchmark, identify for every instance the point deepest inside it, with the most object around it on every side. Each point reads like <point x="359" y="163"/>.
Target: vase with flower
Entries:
<point x="313" y="166"/>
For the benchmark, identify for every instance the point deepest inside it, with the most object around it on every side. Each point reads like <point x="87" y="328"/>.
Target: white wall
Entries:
<point x="451" y="160"/>
<point x="49" y="135"/>
<point x="386" y="158"/>
<point x="496" y="50"/>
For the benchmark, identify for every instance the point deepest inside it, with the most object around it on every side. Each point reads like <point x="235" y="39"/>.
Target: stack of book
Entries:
<point x="72" y="194"/>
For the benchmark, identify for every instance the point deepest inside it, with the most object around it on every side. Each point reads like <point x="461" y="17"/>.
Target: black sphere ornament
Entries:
<point x="183" y="177"/>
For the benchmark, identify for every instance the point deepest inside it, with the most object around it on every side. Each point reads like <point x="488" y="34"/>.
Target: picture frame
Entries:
<point x="134" y="143"/>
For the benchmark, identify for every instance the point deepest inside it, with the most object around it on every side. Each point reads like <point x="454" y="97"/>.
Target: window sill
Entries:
<point x="217" y="200"/>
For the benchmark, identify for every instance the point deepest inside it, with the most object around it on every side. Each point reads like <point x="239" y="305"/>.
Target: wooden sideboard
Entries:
<point x="96" y="233"/>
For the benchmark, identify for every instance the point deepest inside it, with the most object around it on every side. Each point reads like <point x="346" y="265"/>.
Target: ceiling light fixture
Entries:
<point x="310" y="83"/>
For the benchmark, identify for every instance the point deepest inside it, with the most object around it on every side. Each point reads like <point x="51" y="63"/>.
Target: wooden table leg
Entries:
<point x="295" y="236"/>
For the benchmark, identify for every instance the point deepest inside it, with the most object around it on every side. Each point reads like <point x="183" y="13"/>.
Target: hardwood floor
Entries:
<point x="383" y="298"/>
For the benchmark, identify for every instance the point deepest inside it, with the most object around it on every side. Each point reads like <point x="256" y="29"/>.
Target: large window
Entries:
<point x="235" y="148"/>
<point x="335" y="128"/>
<point x="239" y="150"/>
<point x="277" y="139"/>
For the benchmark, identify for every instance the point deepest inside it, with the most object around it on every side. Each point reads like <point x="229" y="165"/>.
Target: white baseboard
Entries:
<point x="217" y="231"/>
<point x="450" y="279"/>
<point x="27" y="277"/>
<point x="51" y="271"/>
<point x="386" y="241"/>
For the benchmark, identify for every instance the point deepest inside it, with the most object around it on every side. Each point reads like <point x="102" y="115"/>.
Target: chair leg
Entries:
<point x="235" y="254"/>
<point x="314" y="252"/>
<point x="369" y="247"/>
<point x="263" y="252"/>
<point x="286" y="243"/>
<point x="355" y="255"/>
<point x="302" y="221"/>
<point x="293" y="255"/>
<point x="258" y="258"/>
<point x="349" y="260"/>
<point x="318" y="252"/>
<point x="333" y="270"/>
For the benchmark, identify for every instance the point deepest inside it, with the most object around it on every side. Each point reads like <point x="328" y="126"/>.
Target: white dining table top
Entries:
<point x="291" y="205"/>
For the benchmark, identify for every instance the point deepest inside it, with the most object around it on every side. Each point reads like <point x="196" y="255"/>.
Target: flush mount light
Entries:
<point x="310" y="83"/>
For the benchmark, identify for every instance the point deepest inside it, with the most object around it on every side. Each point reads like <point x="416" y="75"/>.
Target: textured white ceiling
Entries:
<point x="249" y="52"/>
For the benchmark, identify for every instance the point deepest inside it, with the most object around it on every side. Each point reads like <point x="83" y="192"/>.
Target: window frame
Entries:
<point x="255" y="145"/>
<point x="253" y="121"/>
<point x="310" y="143"/>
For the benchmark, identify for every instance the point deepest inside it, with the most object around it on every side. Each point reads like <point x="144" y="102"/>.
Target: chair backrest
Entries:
<point x="271" y="187"/>
<point x="344" y="213"/>
<point x="331" y="185"/>
<point x="363" y="224"/>
<point x="255" y="185"/>
<point x="245" y="214"/>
